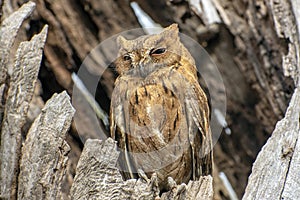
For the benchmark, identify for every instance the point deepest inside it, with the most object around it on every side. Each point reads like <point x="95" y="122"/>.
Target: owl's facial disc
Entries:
<point x="145" y="54"/>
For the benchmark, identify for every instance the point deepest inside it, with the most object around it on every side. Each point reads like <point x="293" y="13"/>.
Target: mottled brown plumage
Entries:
<point x="159" y="113"/>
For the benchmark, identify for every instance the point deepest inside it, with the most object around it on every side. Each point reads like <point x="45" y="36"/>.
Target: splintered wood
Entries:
<point x="19" y="95"/>
<point x="45" y="151"/>
<point x="97" y="177"/>
<point x="275" y="173"/>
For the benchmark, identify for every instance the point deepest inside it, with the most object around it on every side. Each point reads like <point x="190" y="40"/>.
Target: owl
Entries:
<point x="159" y="113"/>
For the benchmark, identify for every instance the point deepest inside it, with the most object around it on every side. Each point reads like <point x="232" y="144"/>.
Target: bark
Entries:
<point x="97" y="177"/>
<point x="19" y="95"/>
<point x="275" y="173"/>
<point x="44" y="153"/>
<point x="8" y="32"/>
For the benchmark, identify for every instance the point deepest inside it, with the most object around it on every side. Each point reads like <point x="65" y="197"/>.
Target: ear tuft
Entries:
<point x="173" y="27"/>
<point x="171" y="31"/>
<point x="121" y="41"/>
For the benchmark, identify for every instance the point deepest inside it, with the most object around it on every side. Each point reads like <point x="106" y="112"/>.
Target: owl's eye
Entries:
<point x="126" y="57"/>
<point x="157" y="51"/>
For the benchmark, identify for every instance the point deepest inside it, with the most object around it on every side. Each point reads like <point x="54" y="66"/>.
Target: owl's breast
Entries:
<point x="155" y="114"/>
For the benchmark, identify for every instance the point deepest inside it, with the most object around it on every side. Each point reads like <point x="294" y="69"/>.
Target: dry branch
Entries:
<point x="44" y="154"/>
<point x="8" y="32"/>
<point x="275" y="173"/>
<point x="28" y="58"/>
<point x="285" y="20"/>
<point x="97" y="177"/>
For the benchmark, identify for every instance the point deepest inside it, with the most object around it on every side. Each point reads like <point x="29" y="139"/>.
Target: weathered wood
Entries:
<point x="44" y="153"/>
<point x="284" y="21"/>
<point x="7" y="8"/>
<point x="200" y="190"/>
<point x="259" y="57"/>
<point x="292" y="184"/>
<point x="295" y="4"/>
<point x="206" y="10"/>
<point x="97" y="177"/>
<point x="275" y="174"/>
<point x="28" y="58"/>
<point x="96" y="166"/>
<point x="8" y="32"/>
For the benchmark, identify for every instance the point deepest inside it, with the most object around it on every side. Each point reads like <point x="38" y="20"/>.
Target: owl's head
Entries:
<point x="147" y="53"/>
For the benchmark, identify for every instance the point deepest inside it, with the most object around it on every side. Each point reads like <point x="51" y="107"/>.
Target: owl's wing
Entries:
<point x="197" y="112"/>
<point x="196" y="109"/>
<point x="194" y="102"/>
<point x="119" y="125"/>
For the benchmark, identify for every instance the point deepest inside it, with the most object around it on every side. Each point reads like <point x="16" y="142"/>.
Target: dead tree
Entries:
<point x="255" y="44"/>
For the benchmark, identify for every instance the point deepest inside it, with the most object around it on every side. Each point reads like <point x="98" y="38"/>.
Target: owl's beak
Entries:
<point x="142" y="62"/>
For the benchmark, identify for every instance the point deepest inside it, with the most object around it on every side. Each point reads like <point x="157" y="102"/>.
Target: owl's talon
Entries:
<point x="177" y="191"/>
<point x="154" y="185"/>
<point x="154" y="180"/>
<point x="171" y="183"/>
<point x="142" y="175"/>
<point x="181" y="189"/>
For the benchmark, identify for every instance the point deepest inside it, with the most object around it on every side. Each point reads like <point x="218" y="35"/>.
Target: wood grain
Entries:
<point x="20" y="92"/>
<point x="45" y="151"/>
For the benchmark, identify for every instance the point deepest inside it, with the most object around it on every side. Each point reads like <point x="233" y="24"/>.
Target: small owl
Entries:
<point x="159" y="114"/>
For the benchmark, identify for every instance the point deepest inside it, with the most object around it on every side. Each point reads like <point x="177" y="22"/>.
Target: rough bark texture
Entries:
<point x="275" y="173"/>
<point x="8" y="32"/>
<point x="97" y="177"/>
<point x="44" y="153"/>
<point x="19" y="95"/>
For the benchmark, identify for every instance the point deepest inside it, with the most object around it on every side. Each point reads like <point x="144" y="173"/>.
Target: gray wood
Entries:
<point x="97" y="177"/>
<point x="96" y="173"/>
<point x="28" y="58"/>
<point x="45" y="151"/>
<point x="8" y="32"/>
<point x="200" y="190"/>
<point x="292" y="182"/>
<point x="7" y="8"/>
<point x="275" y="174"/>
<point x="284" y="21"/>
<point x="205" y="10"/>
